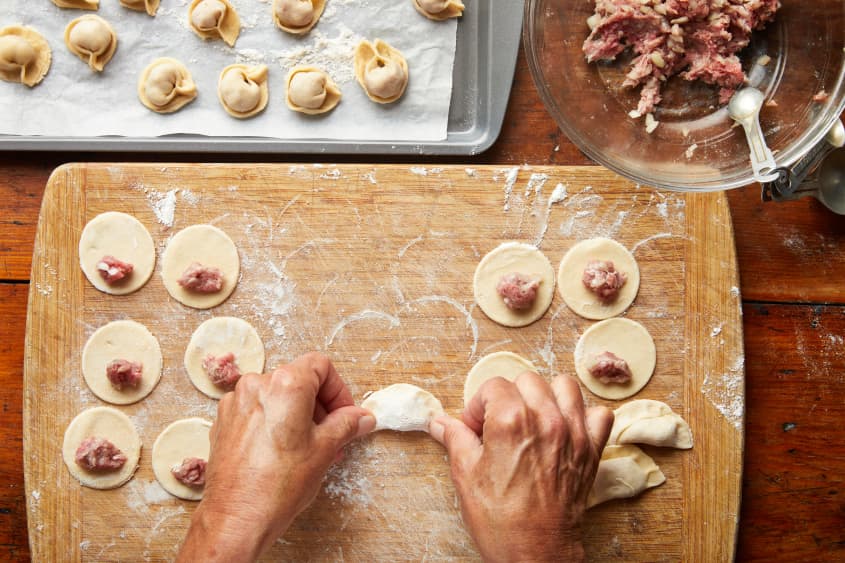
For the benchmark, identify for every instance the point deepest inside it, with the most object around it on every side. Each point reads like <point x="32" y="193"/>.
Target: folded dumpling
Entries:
<point x="78" y="4"/>
<point x="623" y="472"/>
<point x="243" y="90"/>
<point x="381" y="70"/>
<point x="149" y="6"/>
<point x="166" y="86"/>
<point x="215" y="19"/>
<point x="311" y="90"/>
<point x="25" y="55"/>
<point x="92" y="39"/>
<point x="645" y="421"/>
<point x="297" y="16"/>
<point x="439" y="9"/>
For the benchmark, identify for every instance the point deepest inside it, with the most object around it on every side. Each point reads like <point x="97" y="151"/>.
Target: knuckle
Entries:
<point x="526" y="376"/>
<point x="512" y="418"/>
<point x="555" y="428"/>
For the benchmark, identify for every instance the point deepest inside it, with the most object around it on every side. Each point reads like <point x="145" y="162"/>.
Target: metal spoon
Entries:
<point x="744" y="108"/>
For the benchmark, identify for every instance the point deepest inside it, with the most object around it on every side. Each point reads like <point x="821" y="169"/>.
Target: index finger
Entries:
<point x="330" y="390"/>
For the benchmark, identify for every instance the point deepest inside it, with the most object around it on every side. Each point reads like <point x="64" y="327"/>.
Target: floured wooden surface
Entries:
<point x="373" y="266"/>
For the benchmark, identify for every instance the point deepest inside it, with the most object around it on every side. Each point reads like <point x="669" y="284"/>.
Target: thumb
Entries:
<point x="343" y="425"/>
<point x="461" y="442"/>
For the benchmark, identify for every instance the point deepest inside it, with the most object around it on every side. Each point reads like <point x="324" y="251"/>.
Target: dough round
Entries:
<point x="219" y="336"/>
<point x="242" y="90"/>
<point x="403" y="407"/>
<point x="124" y="237"/>
<point x="209" y="246"/>
<point x="25" y="55"/>
<point x="504" y="259"/>
<point x="626" y="339"/>
<point x="498" y="364"/>
<point x="114" y="426"/>
<point x="124" y="340"/>
<point x="166" y="86"/>
<point x="184" y="438"/>
<point x="583" y="301"/>
<point x="92" y="39"/>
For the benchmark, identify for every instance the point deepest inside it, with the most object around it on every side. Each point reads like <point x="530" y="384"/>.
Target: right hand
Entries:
<point x="523" y="461"/>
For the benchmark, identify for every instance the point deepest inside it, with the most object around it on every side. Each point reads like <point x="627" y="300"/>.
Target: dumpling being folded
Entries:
<point x="297" y="16"/>
<point x="166" y="86"/>
<point x="243" y="90"/>
<point x="439" y="10"/>
<point x="25" y="55"/>
<point x="149" y="6"/>
<point x="78" y="4"/>
<point x="381" y="70"/>
<point x="623" y="472"/>
<point x="645" y="421"/>
<point x="311" y="90"/>
<point x="213" y="19"/>
<point x="92" y="39"/>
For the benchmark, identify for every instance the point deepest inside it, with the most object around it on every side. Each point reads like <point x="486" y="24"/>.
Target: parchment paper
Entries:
<point x="74" y="101"/>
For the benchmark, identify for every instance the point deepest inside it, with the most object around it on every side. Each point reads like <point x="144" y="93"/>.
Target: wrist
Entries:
<point x="551" y="547"/>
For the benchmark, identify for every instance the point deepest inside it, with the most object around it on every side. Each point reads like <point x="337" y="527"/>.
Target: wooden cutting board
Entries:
<point x="373" y="266"/>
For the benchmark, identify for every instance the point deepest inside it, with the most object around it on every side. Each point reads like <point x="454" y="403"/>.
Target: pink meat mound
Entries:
<point x="191" y="472"/>
<point x="222" y="370"/>
<point x="113" y="270"/>
<point x="603" y="279"/>
<point x="98" y="454"/>
<point x="201" y="279"/>
<point x="123" y="373"/>
<point x="518" y="291"/>
<point x="610" y="368"/>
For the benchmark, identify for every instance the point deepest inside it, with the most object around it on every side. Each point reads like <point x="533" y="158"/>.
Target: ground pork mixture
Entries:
<point x="698" y="39"/>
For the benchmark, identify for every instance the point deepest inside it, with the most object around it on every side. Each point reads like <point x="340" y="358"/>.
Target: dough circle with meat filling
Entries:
<point x="381" y="70"/>
<point x="297" y="16"/>
<point x="112" y="425"/>
<point x="507" y="258"/>
<point x="626" y="339"/>
<point x="166" y="86"/>
<point x="243" y="90"/>
<point x="123" y="237"/>
<point x="218" y="336"/>
<point x="149" y="6"/>
<point x="208" y="246"/>
<point x="25" y="55"/>
<point x="215" y="19"/>
<point x="92" y="39"/>
<point x="184" y="438"/>
<point x="121" y="340"/>
<point x="439" y="10"/>
<point x="570" y="275"/>
<point x="498" y="364"/>
<point x="311" y="91"/>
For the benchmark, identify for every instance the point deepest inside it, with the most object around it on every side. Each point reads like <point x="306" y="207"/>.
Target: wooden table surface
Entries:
<point x="792" y="267"/>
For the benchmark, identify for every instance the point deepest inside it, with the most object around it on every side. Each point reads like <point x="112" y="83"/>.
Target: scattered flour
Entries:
<point x="510" y="180"/>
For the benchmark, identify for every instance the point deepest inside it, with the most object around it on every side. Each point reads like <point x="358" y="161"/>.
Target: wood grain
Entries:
<point x="378" y="279"/>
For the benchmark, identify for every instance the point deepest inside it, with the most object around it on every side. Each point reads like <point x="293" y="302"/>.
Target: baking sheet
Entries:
<point x="74" y="100"/>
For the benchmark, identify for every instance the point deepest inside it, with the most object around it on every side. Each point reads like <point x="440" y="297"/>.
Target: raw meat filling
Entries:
<point x="610" y="368"/>
<point x="602" y="278"/>
<point x="113" y="270"/>
<point x="191" y="472"/>
<point x="698" y="39"/>
<point x="222" y="370"/>
<point x="201" y="279"/>
<point x="98" y="454"/>
<point x="518" y="291"/>
<point x="123" y="373"/>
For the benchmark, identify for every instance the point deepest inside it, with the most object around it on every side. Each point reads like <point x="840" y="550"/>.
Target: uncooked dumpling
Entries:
<point x="403" y="407"/>
<point x="297" y="16"/>
<point x="650" y="422"/>
<point x="243" y="90"/>
<point x="439" y="9"/>
<point x="24" y="55"/>
<point x="213" y="19"/>
<point x="92" y="39"/>
<point x="311" y="90"/>
<point x="78" y="4"/>
<point x="624" y="472"/>
<point x="149" y="6"/>
<point x="381" y="70"/>
<point x="166" y="86"/>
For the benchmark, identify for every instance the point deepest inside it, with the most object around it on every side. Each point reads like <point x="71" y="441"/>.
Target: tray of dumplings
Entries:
<point x="269" y="76"/>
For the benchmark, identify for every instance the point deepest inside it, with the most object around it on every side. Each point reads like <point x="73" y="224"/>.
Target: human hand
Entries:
<point x="273" y="441"/>
<point x="523" y="461"/>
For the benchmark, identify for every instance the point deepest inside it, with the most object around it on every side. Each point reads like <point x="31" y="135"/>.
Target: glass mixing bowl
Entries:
<point x="805" y="43"/>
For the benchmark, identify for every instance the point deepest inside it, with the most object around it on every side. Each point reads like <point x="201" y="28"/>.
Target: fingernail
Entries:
<point x="437" y="430"/>
<point x="366" y="424"/>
